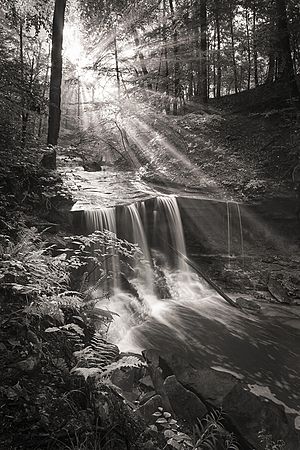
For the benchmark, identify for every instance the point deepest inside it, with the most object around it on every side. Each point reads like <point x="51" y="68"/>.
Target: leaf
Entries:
<point x="161" y="420"/>
<point x="52" y="330"/>
<point x="86" y="372"/>
<point x="174" y="444"/>
<point x="73" y="327"/>
<point x="172" y="422"/>
<point x="169" y="433"/>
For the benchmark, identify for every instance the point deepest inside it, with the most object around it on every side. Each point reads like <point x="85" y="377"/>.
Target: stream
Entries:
<point x="190" y="319"/>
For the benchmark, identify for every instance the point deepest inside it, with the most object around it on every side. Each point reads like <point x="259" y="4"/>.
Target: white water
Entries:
<point x="186" y="289"/>
<point x="169" y="243"/>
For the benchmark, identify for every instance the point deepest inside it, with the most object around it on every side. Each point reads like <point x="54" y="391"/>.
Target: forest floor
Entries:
<point x="240" y="155"/>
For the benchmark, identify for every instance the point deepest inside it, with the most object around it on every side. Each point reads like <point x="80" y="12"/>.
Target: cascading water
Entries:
<point x="164" y="258"/>
<point x="104" y="219"/>
<point x="166" y="243"/>
<point x="168" y="231"/>
<point x="231" y="248"/>
<point x="134" y="224"/>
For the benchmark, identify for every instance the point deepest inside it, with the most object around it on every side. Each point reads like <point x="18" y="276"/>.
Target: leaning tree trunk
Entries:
<point x="55" y="79"/>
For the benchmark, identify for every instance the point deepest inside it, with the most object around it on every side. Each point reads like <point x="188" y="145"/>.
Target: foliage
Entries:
<point x="209" y="433"/>
<point x="267" y="440"/>
<point x="27" y="268"/>
<point x="93" y="254"/>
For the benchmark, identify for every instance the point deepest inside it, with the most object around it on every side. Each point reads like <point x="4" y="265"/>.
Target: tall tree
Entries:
<point x="204" y="51"/>
<point x="56" y="75"/>
<point x="285" y="69"/>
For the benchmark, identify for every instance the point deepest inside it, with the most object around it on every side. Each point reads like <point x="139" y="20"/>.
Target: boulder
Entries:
<point x="185" y="404"/>
<point x="284" y="286"/>
<point x="250" y="414"/>
<point x="210" y="385"/>
<point x="149" y="408"/>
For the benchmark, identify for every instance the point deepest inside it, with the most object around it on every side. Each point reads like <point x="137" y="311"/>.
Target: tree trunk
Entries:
<point x="286" y="71"/>
<point x="248" y="50"/>
<point x="117" y="66"/>
<point x="24" y="113"/>
<point x="56" y="77"/>
<point x="176" y="60"/>
<point x="45" y="82"/>
<point x="219" y="68"/>
<point x="233" y="51"/>
<point x="141" y="59"/>
<point x="203" y="51"/>
<point x="214" y="63"/>
<point x="255" y="56"/>
<point x="271" y="68"/>
<point x="167" y="88"/>
<point x="271" y="74"/>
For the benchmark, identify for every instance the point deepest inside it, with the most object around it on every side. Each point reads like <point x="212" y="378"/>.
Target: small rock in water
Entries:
<point x="248" y="304"/>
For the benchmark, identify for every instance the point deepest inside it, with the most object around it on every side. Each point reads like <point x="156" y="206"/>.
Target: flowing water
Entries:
<point x="189" y="317"/>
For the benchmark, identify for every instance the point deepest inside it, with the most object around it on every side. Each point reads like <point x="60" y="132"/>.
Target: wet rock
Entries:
<point x="149" y="408"/>
<point x="185" y="404"/>
<point x="277" y="290"/>
<point x="284" y="287"/>
<point x="210" y="385"/>
<point x="250" y="414"/>
<point x="247" y="304"/>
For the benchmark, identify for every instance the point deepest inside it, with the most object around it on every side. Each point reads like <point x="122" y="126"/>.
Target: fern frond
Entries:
<point x="125" y="362"/>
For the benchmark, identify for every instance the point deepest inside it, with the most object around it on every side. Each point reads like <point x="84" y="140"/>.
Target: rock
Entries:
<point x="156" y="374"/>
<point x="284" y="286"/>
<point x="185" y="404"/>
<point x="146" y="396"/>
<point x="146" y="382"/>
<point x="150" y="407"/>
<point x="277" y="290"/>
<point x="250" y="414"/>
<point x="48" y="160"/>
<point x="210" y="385"/>
<point x="247" y="304"/>
<point x="125" y="379"/>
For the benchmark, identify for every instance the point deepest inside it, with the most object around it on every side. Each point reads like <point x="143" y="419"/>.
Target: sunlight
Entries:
<point x="74" y="50"/>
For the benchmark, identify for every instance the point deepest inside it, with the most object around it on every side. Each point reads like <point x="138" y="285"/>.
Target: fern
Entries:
<point x="124" y="362"/>
<point x="27" y="268"/>
<point x="98" y="355"/>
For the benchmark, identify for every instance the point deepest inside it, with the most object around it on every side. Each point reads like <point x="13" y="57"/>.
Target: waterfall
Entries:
<point x="104" y="219"/>
<point x="101" y="219"/>
<point x="234" y="238"/>
<point x="168" y="231"/>
<point x="162" y="239"/>
<point x="134" y="225"/>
